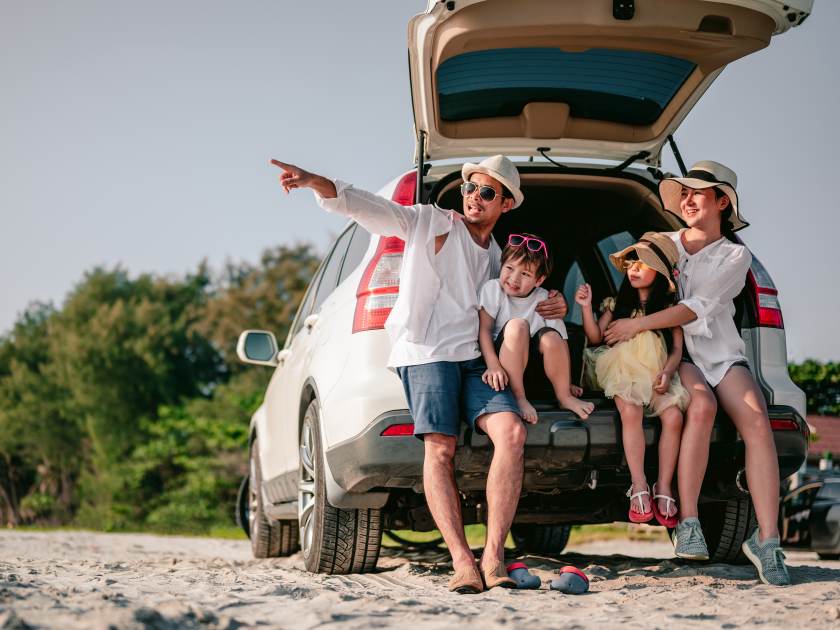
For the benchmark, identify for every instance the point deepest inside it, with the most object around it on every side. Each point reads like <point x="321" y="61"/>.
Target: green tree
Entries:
<point x="821" y="384"/>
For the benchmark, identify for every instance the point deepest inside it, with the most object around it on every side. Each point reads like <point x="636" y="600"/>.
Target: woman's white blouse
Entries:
<point x="708" y="282"/>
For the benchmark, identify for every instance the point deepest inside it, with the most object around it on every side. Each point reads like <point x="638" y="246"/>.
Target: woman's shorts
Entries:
<point x="441" y="393"/>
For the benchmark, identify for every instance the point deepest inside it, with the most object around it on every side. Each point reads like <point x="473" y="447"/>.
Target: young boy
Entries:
<point x="511" y="332"/>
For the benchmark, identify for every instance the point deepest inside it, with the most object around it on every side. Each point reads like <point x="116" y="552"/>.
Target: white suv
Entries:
<point x="333" y="459"/>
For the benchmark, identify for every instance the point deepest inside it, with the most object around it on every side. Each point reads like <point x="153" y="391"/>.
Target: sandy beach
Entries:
<point x="90" y="580"/>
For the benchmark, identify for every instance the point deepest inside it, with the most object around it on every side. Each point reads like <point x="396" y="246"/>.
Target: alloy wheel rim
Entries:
<point x="306" y="488"/>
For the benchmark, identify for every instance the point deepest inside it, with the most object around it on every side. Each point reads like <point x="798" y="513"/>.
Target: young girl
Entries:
<point x="640" y="373"/>
<point x="512" y="334"/>
<point x="712" y="272"/>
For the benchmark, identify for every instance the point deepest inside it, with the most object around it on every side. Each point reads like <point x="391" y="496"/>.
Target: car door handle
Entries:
<point x="283" y="355"/>
<point x="310" y="321"/>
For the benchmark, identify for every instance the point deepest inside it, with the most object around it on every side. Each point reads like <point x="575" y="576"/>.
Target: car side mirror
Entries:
<point x="257" y="347"/>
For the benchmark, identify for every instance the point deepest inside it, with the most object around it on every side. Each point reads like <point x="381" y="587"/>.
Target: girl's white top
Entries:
<point x="503" y="308"/>
<point x="708" y="282"/>
<point x="435" y="317"/>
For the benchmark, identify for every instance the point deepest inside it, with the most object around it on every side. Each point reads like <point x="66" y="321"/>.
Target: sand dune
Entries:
<point x="87" y="580"/>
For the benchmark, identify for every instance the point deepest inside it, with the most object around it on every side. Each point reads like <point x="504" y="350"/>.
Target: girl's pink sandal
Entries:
<point x="639" y="517"/>
<point x="663" y="519"/>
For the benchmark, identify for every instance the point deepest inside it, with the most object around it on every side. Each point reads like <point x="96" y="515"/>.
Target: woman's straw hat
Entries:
<point x="655" y="249"/>
<point x="706" y="174"/>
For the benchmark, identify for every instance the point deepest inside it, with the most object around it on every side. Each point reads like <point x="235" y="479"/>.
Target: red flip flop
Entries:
<point x="662" y="519"/>
<point x="638" y="517"/>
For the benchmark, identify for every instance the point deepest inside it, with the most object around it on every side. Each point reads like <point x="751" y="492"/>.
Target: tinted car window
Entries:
<point x="611" y="245"/>
<point x="306" y="305"/>
<point x="570" y="285"/>
<point x="359" y="243"/>
<point x="329" y="278"/>
<point x="624" y="86"/>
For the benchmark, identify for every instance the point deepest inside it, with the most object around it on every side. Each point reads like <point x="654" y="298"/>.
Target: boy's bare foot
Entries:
<point x="576" y="391"/>
<point x="529" y="414"/>
<point x="581" y="407"/>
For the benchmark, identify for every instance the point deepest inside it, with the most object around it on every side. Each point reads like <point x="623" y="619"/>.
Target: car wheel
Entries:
<point x="269" y="539"/>
<point x="726" y="525"/>
<point x="541" y="539"/>
<point x="333" y="540"/>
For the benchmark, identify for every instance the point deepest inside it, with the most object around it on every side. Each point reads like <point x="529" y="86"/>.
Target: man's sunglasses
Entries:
<point x="532" y="243"/>
<point x="487" y="193"/>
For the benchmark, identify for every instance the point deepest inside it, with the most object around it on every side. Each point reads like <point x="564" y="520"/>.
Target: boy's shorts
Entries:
<point x="441" y="393"/>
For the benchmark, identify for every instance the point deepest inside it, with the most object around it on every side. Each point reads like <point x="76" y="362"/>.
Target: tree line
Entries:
<point x="126" y="407"/>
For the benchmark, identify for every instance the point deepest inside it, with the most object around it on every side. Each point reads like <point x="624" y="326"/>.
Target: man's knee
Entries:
<point x="439" y="448"/>
<point x="507" y="432"/>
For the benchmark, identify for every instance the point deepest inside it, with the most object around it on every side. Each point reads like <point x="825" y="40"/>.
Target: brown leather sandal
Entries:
<point x="497" y="576"/>
<point x="466" y="581"/>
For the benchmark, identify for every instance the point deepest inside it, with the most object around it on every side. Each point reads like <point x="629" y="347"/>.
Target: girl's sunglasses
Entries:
<point x="627" y="265"/>
<point x="532" y="243"/>
<point x="487" y="193"/>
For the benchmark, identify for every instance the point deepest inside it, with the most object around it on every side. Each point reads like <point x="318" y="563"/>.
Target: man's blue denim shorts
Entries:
<point x="440" y="394"/>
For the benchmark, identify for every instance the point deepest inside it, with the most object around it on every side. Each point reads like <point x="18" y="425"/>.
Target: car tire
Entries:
<point x="333" y="540"/>
<point x="269" y="539"/>
<point x="242" y="509"/>
<point x="726" y="525"/>
<point x="541" y="539"/>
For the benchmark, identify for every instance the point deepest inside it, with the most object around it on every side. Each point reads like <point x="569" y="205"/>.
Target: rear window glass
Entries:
<point x="622" y="86"/>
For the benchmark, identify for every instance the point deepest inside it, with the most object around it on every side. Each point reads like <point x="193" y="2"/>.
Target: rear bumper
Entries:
<point x="561" y="453"/>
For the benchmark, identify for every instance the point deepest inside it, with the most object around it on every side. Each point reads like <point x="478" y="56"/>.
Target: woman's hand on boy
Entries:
<point x="554" y="306"/>
<point x="583" y="295"/>
<point x="622" y="330"/>
<point x="495" y="377"/>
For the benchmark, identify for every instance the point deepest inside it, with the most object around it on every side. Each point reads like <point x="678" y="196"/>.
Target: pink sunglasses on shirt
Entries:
<point x="532" y="243"/>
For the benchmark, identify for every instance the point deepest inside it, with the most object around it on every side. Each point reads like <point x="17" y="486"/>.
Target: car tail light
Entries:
<point x="380" y="284"/>
<point x="399" y="430"/>
<point x="766" y="296"/>
<point x="783" y="425"/>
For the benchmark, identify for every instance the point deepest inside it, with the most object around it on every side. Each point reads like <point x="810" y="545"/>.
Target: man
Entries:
<point x="434" y="332"/>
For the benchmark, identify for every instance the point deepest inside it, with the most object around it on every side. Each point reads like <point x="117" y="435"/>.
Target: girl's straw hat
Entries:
<point x="655" y="249"/>
<point x="706" y="174"/>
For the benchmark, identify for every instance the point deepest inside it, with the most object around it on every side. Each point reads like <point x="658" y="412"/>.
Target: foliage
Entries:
<point x="821" y="384"/>
<point x="126" y="408"/>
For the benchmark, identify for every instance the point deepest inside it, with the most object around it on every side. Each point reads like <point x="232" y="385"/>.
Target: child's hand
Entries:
<point x="583" y="295"/>
<point x="496" y="378"/>
<point x="663" y="380"/>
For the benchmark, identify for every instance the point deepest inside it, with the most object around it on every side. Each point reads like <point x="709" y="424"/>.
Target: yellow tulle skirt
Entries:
<point x="628" y="370"/>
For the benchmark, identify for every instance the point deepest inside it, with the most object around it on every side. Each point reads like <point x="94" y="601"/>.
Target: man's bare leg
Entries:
<point x="504" y="480"/>
<point x="442" y="496"/>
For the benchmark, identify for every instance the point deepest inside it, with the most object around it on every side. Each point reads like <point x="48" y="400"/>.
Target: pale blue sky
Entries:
<point x="139" y="134"/>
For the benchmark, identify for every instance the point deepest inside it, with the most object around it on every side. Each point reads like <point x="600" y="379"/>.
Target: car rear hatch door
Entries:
<point x="607" y="79"/>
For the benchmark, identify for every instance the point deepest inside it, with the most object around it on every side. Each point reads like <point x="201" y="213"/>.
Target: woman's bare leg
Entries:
<point x="633" y="438"/>
<point x="743" y="401"/>
<point x="513" y="355"/>
<point x="696" y="436"/>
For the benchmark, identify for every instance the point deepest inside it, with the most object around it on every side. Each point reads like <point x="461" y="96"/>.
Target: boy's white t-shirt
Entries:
<point x="503" y="307"/>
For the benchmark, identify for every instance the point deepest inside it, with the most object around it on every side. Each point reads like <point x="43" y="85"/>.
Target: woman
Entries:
<point x="711" y="272"/>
